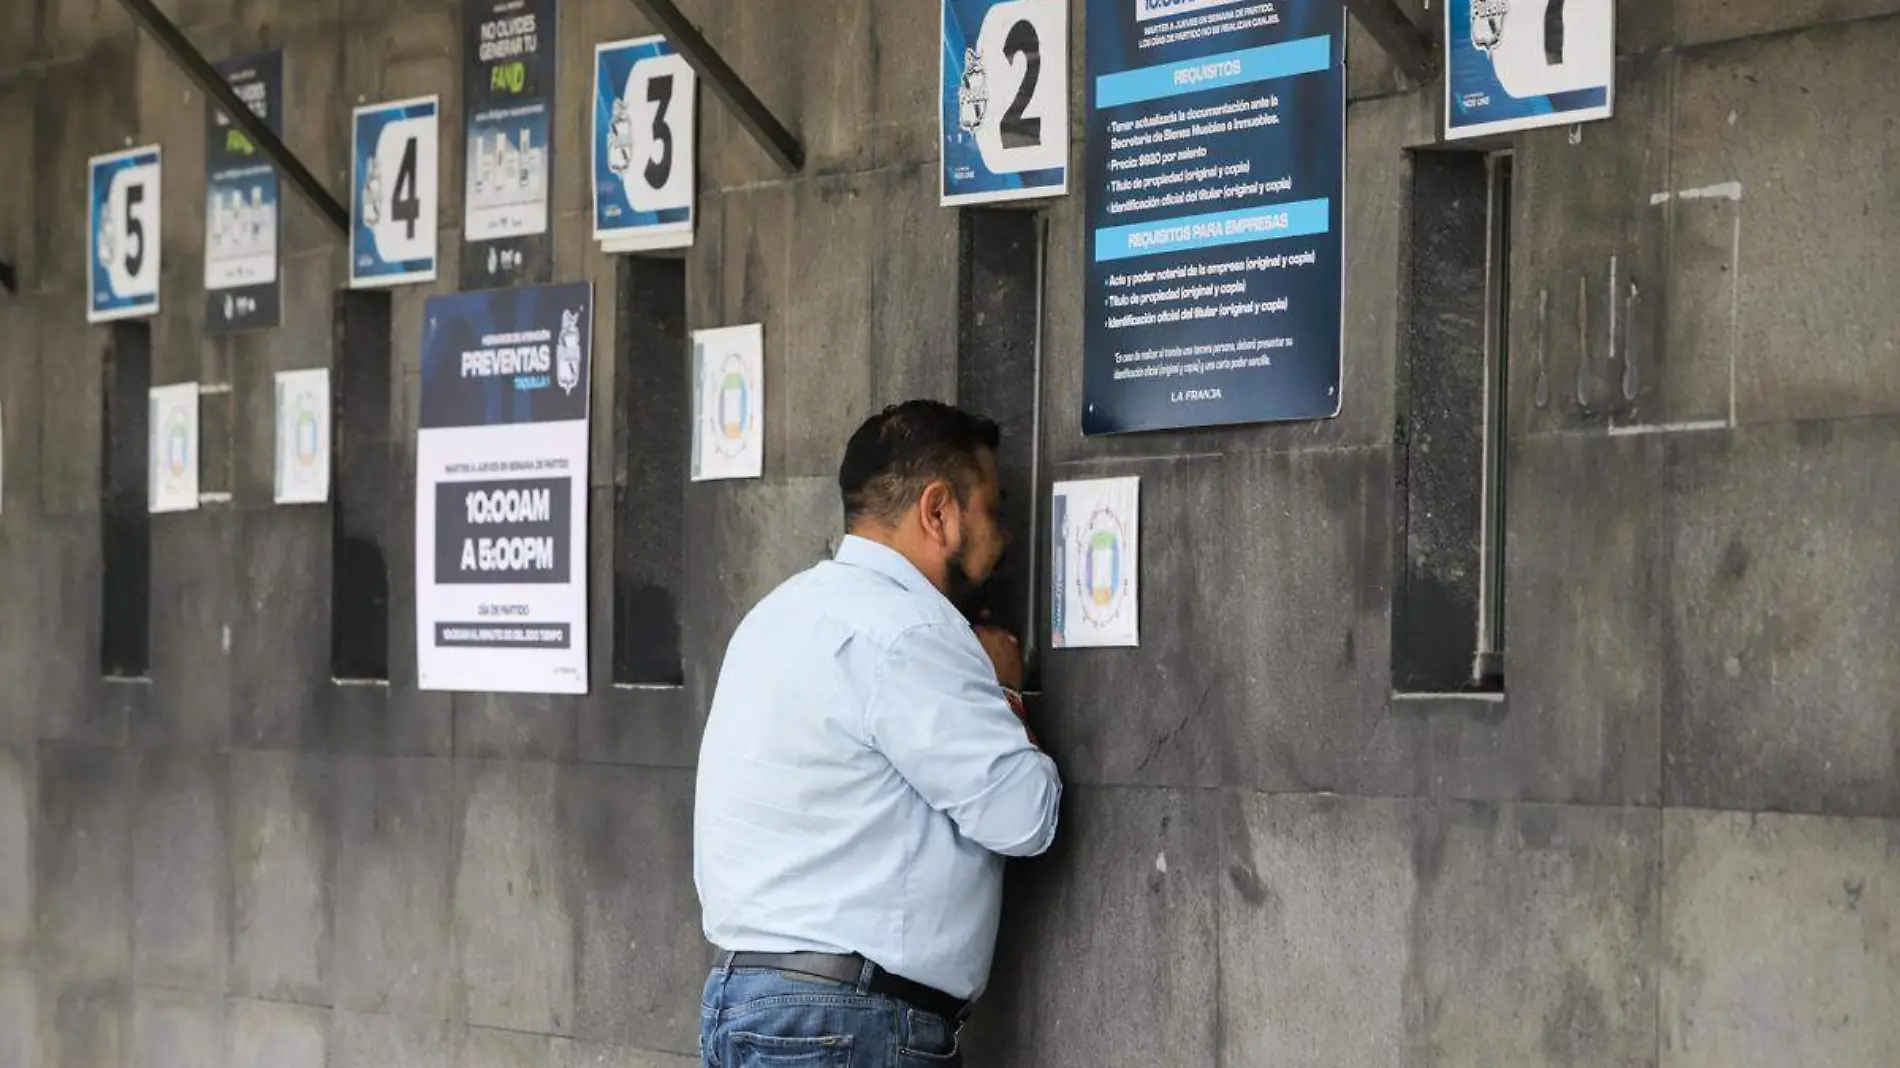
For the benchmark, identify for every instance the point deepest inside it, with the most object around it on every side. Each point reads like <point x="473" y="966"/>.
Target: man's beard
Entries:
<point x="966" y="593"/>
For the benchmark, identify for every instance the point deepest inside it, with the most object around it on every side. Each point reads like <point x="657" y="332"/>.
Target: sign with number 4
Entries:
<point x="1004" y="111"/>
<point x="122" y="230"/>
<point x="394" y="195"/>
<point x="644" y="97"/>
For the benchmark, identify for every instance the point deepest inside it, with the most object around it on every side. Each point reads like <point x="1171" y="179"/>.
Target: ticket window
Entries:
<point x="125" y="516"/>
<point x="652" y="428"/>
<point x="362" y="465"/>
<point x="1448" y="608"/>
<point x="1001" y="257"/>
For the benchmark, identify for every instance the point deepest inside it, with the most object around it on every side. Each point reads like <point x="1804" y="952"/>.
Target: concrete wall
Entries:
<point x="1675" y="844"/>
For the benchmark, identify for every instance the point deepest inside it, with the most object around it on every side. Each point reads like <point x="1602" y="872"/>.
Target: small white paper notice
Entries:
<point x="303" y="437"/>
<point x="174" y="451"/>
<point x="1094" y="563"/>
<point x="729" y="402"/>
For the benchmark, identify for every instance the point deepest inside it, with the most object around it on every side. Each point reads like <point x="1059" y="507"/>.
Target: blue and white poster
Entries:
<point x="242" y="217"/>
<point x="501" y="491"/>
<point x="122" y="233"/>
<point x="1523" y="64"/>
<point x="508" y="80"/>
<point x="729" y="402"/>
<point x="645" y="105"/>
<point x="1094" y="564"/>
<point x="395" y="155"/>
<point x="1004" y="108"/>
<point x="1214" y="265"/>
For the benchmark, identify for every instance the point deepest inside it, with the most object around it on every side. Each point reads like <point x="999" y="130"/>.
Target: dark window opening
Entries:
<point x="652" y="424"/>
<point x="999" y="343"/>
<point x="125" y="511"/>
<point x="1447" y="613"/>
<point x="360" y="454"/>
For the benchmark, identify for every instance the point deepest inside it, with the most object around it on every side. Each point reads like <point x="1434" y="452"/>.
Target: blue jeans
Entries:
<point x="756" y="1018"/>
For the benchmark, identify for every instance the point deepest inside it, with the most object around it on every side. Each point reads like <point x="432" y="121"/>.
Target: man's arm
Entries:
<point x="940" y="717"/>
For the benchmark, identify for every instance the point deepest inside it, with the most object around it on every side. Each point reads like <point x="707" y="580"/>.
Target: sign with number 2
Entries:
<point x="394" y="194"/>
<point x="1005" y="99"/>
<point x="644" y="96"/>
<point x="122" y="262"/>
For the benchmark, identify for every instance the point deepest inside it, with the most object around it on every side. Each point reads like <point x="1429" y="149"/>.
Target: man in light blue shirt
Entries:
<point x="864" y="771"/>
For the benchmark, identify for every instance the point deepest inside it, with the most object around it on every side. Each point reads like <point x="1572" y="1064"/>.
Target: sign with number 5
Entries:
<point x="1004" y="109"/>
<point x="122" y="230"/>
<point x="394" y="195"/>
<point x="644" y="109"/>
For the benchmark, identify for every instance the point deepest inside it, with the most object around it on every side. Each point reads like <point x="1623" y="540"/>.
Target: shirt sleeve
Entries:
<point x="939" y="716"/>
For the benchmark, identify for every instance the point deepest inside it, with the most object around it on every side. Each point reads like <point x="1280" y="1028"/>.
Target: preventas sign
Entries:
<point x="501" y="496"/>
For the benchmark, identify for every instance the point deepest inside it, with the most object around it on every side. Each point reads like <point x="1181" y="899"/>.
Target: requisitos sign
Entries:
<point x="1215" y="173"/>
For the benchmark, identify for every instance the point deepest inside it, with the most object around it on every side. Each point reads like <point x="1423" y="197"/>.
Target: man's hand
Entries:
<point x="1005" y="654"/>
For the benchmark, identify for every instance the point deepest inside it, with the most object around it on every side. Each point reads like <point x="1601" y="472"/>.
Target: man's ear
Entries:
<point x="934" y="509"/>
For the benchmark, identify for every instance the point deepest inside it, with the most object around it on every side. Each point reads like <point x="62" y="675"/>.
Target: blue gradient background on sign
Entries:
<point x="1308" y="146"/>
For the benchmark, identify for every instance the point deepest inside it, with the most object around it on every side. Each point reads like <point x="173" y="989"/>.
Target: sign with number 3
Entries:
<point x="122" y="262"/>
<point x="644" y="96"/>
<point x="1004" y="112"/>
<point x="394" y="195"/>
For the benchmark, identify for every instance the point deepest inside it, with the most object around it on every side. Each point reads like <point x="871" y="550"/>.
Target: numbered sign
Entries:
<point x="1518" y="64"/>
<point x="122" y="264"/>
<point x="1005" y="105"/>
<point x="645" y="99"/>
<point x="393" y="193"/>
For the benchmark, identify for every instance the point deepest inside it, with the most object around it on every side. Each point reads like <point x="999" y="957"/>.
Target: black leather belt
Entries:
<point x="849" y="968"/>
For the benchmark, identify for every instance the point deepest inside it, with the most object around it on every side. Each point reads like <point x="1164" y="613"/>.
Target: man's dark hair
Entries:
<point x="905" y="447"/>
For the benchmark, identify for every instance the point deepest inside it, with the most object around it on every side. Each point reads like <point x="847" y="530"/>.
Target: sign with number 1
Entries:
<point x="644" y="96"/>
<point x="393" y="193"/>
<point x="122" y="230"/>
<point x="1004" y="111"/>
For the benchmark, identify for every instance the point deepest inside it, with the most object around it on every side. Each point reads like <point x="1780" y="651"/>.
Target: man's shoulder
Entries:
<point x="839" y="599"/>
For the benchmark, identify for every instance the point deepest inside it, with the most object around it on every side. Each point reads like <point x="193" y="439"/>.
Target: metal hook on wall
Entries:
<point x="1632" y="378"/>
<point x="1540" y="390"/>
<point x="1582" y="384"/>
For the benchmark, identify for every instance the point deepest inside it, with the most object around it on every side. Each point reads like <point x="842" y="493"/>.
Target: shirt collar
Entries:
<point x="863" y="552"/>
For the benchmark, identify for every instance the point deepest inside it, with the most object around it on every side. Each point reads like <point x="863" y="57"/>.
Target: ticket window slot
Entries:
<point x="1001" y="257"/>
<point x="361" y="460"/>
<point x="125" y="516"/>
<point x="652" y="445"/>
<point x="1448" y="605"/>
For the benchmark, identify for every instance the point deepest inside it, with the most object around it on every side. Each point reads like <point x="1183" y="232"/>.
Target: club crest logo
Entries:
<point x="620" y="139"/>
<point x="372" y="194"/>
<point x="973" y="92"/>
<point x="108" y="243"/>
<point x="567" y="355"/>
<point x="1487" y="24"/>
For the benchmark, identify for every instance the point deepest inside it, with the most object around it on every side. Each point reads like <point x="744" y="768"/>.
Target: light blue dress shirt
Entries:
<point x="862" y="776"/>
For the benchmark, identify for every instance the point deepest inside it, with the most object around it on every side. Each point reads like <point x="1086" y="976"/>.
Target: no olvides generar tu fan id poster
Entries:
<point x="243" y="205"/>
<point x="501" y="491"/>
<point x="508" y="80"/>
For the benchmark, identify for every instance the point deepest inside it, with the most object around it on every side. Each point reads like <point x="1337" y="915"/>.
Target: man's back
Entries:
<point x="859" y="775"/>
